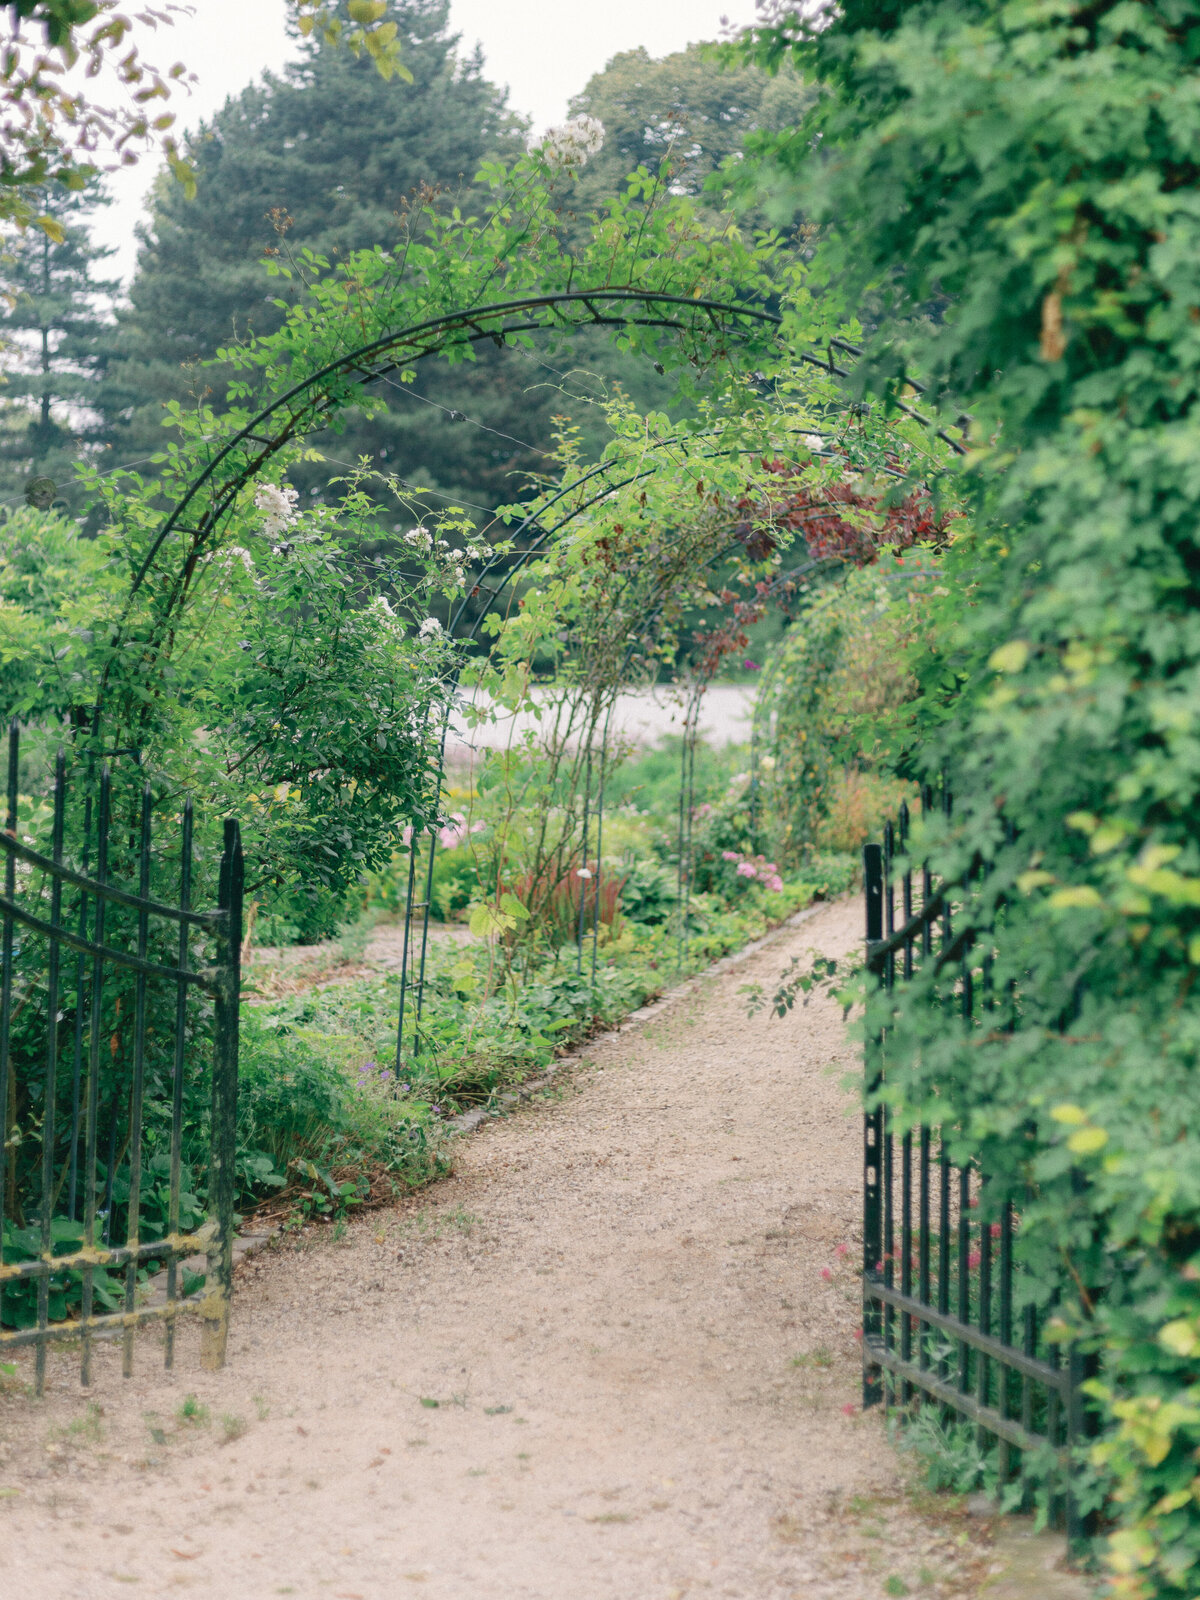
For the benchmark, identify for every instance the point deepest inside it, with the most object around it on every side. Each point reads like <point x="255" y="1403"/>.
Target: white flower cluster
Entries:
<point x="571" y="144"/>
<point x="431" y="628"/>
<point x="236" y="553"/>
<point x="453" y="563"/>
<point x="278" y="504"/>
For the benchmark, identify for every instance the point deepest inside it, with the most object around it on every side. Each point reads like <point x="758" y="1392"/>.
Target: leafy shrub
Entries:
<point x="856" y="806"/>
<point x="312" y="1100"/>
<point x="66" y="1287"/>
<point x="291" y="1098"/>
<point x="301" y="914"/>
<point x="649" y="892"/>
<point x="649" y="780"/>
<point x="840" y="689"/>
<point x="455" y="880"/>
<point x="575" y="898"/>
<point x="1032" y="169"/>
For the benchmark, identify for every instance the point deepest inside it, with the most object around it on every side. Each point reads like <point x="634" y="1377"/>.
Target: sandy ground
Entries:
<point x="612" y="1358"/>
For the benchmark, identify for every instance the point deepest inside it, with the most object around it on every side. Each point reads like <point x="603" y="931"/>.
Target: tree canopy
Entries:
<point x="52" y="128"/>
<point x="690" y="109"/>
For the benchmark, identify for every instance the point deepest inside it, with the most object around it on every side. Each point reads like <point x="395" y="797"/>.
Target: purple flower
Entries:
<point x="384" y="1075"/>
<point x="751" y="666"/>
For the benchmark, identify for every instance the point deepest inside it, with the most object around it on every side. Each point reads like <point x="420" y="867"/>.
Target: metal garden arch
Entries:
<point x="310" y="404"/>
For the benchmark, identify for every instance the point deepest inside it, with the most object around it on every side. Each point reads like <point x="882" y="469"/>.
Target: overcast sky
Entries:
<point x="544" y="50"/>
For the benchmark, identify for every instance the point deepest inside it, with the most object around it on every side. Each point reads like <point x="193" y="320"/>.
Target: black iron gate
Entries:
<point x="944" y="1319"/>
<point x="118" y="1048"/>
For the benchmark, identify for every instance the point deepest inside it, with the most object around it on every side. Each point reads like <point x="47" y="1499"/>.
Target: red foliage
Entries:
<point x="552" y="899"/>
<point x="813" y="512"/>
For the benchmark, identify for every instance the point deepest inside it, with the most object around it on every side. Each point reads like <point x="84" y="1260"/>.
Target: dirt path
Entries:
<point x="613" y="1356"/>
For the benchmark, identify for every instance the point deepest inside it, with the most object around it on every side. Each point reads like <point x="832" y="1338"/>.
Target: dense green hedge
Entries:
<point x="1013" y="188"/>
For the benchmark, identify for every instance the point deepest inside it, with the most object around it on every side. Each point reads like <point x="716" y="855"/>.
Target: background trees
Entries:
<point x="57" y="321"/>
<point x="334" y="155"/>
<point x="687" y="108"/>
<point x="327" y="158"/>
<point x="330" y="158"/>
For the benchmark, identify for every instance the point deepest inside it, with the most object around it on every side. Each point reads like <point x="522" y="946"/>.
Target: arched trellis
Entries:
<point x="495" y="584"/>
<point x="309" y="405"/>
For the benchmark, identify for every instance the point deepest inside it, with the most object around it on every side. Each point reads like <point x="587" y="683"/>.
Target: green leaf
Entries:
<point x="1011" y="657"/>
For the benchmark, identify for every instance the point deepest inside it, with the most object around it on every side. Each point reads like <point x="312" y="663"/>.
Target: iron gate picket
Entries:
<point x="58" y="1226"/>
<point x="950" y="1326"/>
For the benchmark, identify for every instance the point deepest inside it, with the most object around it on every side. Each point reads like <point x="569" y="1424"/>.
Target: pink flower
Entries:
<point x="974" y="1259"/>
<point x="775" y="884"/>
<point x="995" y="1230"/>
<point x="406" y="836"/>
<point x="858" y="1333"/>
<point x="729" y="855"/>
<point x="826" y="1274"/>
<point x="454" y="831"/>
<point x="842" y="1250"/>
<point x="849" y="1409"/>
<point x="747" y="869"/>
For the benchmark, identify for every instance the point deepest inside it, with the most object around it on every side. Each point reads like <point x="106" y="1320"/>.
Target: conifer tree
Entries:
<point x="326" y="156"/>
<point x="56" y="330"/>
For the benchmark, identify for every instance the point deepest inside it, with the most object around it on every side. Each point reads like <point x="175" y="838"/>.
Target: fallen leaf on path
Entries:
<point x="185" y="1555"/>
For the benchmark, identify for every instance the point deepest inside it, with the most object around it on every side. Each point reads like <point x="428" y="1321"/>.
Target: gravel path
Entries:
<point x="612" y="1358"/>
